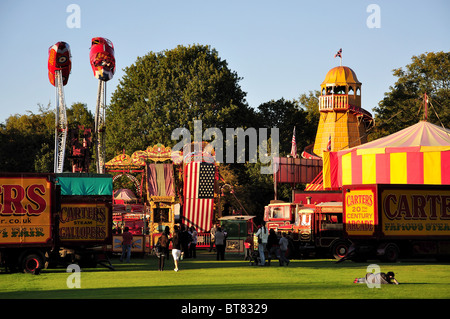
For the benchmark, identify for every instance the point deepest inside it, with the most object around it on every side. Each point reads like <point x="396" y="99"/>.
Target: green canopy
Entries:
<point x="85" y="184"/>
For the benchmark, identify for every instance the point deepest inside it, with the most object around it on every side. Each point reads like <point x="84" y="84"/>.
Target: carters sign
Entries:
<point x="25" y="210"/>
<point x="84" y="222"/>
<point x="360" y="212"/>
<point x="416" y="212"/>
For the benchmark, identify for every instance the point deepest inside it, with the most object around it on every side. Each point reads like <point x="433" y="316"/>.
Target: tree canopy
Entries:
<point x="403" y="105"/>
<point x="30" y="138"/>
<point x="167" y="90"/>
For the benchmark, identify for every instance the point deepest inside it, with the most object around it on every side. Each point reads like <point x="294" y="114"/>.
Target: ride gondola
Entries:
<point x="102" y="58"/>
<point x="59" y="58"/>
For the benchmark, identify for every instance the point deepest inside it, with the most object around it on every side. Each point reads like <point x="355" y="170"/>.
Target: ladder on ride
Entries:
<point x="60" y="124"/>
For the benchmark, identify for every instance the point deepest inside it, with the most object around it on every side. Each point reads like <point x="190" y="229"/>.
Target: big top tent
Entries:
<point x="419" y="154"/>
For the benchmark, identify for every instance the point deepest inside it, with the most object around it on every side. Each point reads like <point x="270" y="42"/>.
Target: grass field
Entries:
<point x="234" y="278"/>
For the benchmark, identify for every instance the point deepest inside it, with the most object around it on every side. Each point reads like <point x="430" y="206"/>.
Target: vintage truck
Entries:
<point x="46" y="219"/>
<point x="390" y="221"/>
<point x="314" y="222"/>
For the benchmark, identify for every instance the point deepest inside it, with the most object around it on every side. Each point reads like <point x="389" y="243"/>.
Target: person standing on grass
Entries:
<point x="220" y="244"/>
<point x="127" y="241"/>
<point x="193" y="246"/>
<point x="263" y="235"/>
<point x="213" y="237"/>
<point x="283" y="250"/>
<point x="272" y="246"/>
<point x="164" y="242"/>
<point x="185" y="241"/>
<point x="176" y="247"/>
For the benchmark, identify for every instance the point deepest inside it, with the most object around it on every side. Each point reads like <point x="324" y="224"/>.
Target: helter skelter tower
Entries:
<point x="343" y="122"/>
<point x="103" y="64"/>
<point x="59" y="67"/>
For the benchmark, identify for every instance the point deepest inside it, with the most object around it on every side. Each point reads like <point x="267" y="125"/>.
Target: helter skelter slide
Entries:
<point x="104" y="66"/>
<point x="59" y="67"/>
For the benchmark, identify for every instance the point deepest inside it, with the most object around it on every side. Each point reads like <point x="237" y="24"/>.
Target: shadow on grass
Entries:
<point x="207" y="260"/>
<point x="180" y="291"/>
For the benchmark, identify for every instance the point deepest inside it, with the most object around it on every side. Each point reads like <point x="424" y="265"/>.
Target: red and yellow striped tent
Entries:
<point x="419" y="154"/>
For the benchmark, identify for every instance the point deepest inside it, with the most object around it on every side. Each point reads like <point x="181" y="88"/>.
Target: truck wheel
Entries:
<point x="32" y="262"/>
<point x="391" y="253"/>
<point x="340" y="249"/>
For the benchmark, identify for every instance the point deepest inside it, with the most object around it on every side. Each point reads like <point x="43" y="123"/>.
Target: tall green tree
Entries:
<point x="29" y="140"/>
<point x="284" y="115"/>
<point x="403" y="105"/>
<point x="167" y="90"/>
<point x="22" y="138"/>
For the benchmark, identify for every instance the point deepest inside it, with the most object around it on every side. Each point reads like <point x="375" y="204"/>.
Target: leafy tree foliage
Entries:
<point x="167" y="90"/>
<point x="403" y="105"/>
<point x="30" y="139"/>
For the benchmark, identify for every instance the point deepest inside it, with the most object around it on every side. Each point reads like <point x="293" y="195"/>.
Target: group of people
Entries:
<point x="218" y="239"/>
<point x="184" y="242"/>
<point x="269" y="241"/>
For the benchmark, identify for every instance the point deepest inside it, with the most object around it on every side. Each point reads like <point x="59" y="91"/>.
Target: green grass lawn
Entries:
<point x="234" y="278"/>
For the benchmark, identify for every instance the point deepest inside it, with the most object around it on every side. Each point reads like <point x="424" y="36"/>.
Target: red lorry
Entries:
<point x="314" y="222"/>
<point x="48" y="218"/>
<point x="392" y="221"/>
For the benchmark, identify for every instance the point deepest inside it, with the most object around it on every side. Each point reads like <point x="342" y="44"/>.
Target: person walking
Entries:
<point x="163" y="241"/>
<point x="127" y="241"/>
<point x="263" y="235"/>
<point x="220" y="244"/>
<point x="176" y="247"/>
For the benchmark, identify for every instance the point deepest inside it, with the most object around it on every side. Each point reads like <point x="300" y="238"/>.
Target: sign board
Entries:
<point x="417" y="212"/>
<point x="359" y="217"/>
<point x="85" y="222"/>
<point x="25" y="210"/>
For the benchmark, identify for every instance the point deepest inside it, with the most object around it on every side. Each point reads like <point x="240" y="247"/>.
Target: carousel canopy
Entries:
<point x="419" y="154"/>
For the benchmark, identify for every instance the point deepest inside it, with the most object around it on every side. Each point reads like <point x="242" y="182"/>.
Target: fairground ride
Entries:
<point x="104" y="66"/>
<point x="59" y="67"/>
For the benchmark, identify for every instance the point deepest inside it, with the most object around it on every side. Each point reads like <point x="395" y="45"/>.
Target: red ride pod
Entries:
<point x="102" y="58"/>
<point x="59" y="58"/>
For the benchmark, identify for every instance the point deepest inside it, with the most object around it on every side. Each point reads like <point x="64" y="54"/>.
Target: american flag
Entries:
<point x="339" y="53"/>
<point x="294" y="146"/>
<point x="198" y="207"/>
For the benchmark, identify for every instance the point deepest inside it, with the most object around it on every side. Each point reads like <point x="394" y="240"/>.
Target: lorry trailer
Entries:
<point x="391" y="221"/>
<point x="49" y="218"/>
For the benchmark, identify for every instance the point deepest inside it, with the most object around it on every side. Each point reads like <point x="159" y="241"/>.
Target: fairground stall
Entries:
<point x="239" y="229"/>
<point x="153" y="207"/>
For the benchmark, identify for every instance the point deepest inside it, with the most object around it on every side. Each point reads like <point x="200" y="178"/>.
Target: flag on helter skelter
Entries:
<point x="294" y="146"/>
<point x="199" y="178"/>
<point x="329" y="144"/>
<point x="338" y="54"/>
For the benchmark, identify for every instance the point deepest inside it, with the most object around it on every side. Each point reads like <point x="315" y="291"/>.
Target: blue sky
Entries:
<point x="280" y="48"/>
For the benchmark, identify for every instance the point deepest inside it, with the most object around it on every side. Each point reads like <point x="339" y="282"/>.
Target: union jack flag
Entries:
<point x="339" y="53"/>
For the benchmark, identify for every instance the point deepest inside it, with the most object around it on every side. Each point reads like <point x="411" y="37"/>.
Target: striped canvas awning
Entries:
<point x="419" y="154"/>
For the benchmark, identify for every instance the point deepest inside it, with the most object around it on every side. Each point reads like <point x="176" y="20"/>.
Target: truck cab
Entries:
<point x="280" y="216"/>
